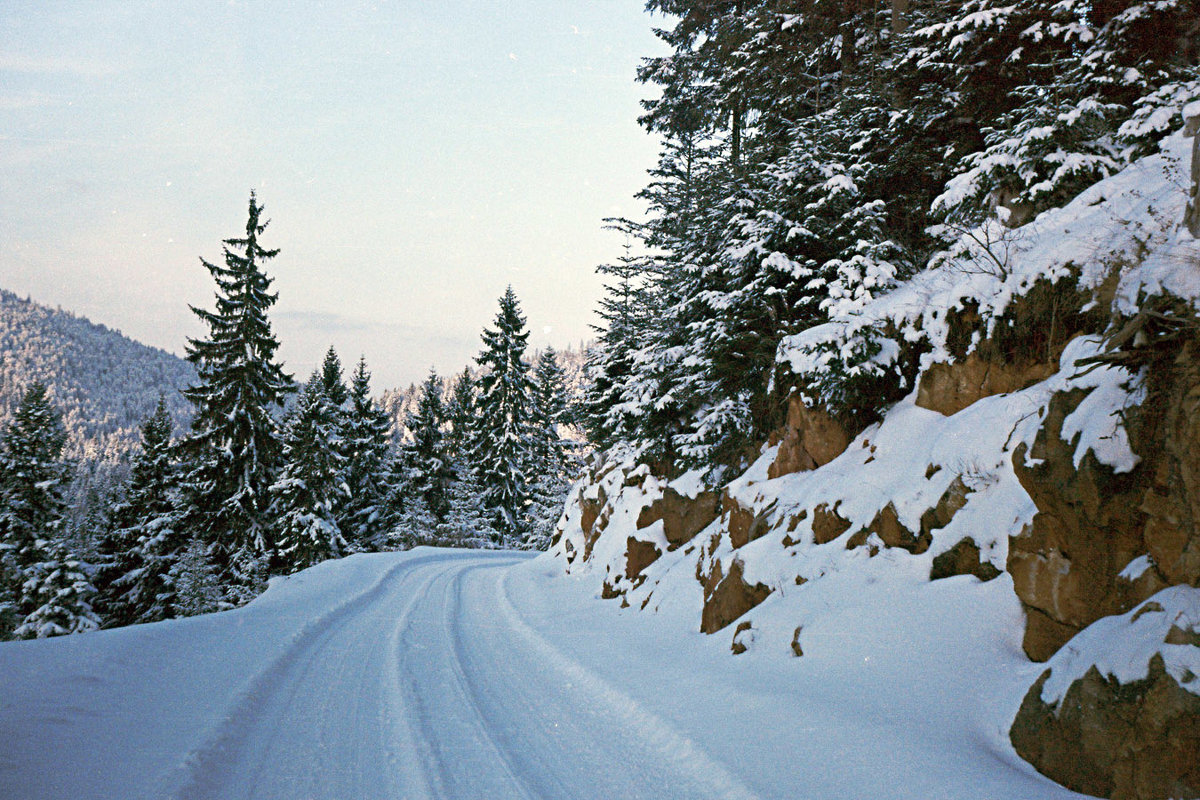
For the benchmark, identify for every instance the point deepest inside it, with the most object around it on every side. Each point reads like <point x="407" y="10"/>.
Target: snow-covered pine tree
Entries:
<point x="504" y="442"/>
<point x="428" y="457"/>
<point x="468" y="523"/>
<point x="58" y="594"/>
<point x="332" y="382"/>
<point x="232" y="453"/>
<point x="460" y="415"/>
<point x="552" y="453"/>
<point x="140" y="554"/>
<point x="366" y="434"/>
<point x="549" y="412"/>
<point x="45" y="589"/>
<point x="1080" y="71"/>
<point x="310" y="485"/>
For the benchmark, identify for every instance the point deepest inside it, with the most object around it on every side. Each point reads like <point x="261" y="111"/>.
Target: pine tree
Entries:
<point x="366" y="435"/>
<point x="550" y="408"/>
<point x="57" y="593"/>
<point x="310" y="485"/>
<point x="146" y="542"/>
<point x="460" y="415"/>
<point x="45" y="588"/>
<point x="469" y="523"/>
<point x="551" y="454"/>
<point x="233" y="449"/>
<point x="332" y="382"/>
<point x="504" y="438"/>
<point x="428" y="459"/>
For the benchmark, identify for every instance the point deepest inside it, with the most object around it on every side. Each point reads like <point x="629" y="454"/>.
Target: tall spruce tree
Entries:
<point x="460" y="415"/>
<point x="233" y="450"/>
<point x="504" y="440"/>
<point x="366" y="435"/>
<point x="332" y="381"/>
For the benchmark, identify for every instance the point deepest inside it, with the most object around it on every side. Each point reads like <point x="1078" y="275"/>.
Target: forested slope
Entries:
<point x="104" y="383"/>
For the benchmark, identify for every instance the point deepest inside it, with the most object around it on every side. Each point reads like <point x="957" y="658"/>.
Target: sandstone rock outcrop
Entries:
<point x="727" y="597"/>
<point x="744" y="524"/>
<point x="682" y="517"/>
<point x="962" y="559"/>
<point x="1133" y="740"/>
<point x="809" y="439"/>
<point x="1138" y="741"/>
<point x="950" y="387"/>
<point x="828" y="524"/>
<point x="1092" y="523"/>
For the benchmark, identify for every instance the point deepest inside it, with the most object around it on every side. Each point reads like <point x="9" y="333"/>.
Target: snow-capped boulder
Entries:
<point x="1117" y="712"/>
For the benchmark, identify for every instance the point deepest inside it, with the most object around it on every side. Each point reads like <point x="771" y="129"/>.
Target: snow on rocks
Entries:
<point x="1117" y="711"/>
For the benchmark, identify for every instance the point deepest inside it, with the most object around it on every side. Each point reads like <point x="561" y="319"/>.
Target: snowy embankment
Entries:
<point x="1024" y="495"/>
<point x="465" y="674"/>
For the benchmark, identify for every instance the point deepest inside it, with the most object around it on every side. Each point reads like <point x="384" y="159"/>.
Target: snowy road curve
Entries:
<point x="405" y="692"/>
<point x="427" y="683"/>
<point x="458" y="674"/>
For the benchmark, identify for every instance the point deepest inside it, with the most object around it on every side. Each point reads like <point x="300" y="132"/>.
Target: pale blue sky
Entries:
<point x="414" y="158"/>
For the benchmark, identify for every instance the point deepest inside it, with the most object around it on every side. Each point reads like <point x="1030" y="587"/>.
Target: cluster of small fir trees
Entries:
<point x="815" y="153"/>
<point x="489" y="466"/>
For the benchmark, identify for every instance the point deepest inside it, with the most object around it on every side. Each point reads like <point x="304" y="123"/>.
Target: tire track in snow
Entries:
<point x="658" y="736"/>
<point x="205" y="769"/>
<point x="451" y="611"/>
<point x="434" y="728"/>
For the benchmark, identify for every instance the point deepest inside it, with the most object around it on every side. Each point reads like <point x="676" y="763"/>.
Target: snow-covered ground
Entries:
<point x="464" y="674"/>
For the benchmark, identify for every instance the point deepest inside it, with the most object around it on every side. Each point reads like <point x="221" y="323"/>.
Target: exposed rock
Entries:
<point x="684" y="517"/>
<point x="742" y="638"/>
<point x="828" y="524"/>
<point x="1178" y="635"/>
<point x="1172" y="505"/>
<point x="638" y="556"/>
<point x="1044" y="635"/>
<point x="962" y="559"/>
<point x="887" y="526"/>
<point x="592" y="520"/>
<point x="1087" y="529"/>
<point x="1091" y="523"/>
<point x="745" y="525"/>
<point x="593" y="532"/>
<point x="949" y="504"/>
<point x="797" y="650"/>
<point x="1137" y="741"/>
<point x="950" y="387"/>
<point x="650" y="514"/>
<point x="727" y="597"/>
<point x="810" y="438"/>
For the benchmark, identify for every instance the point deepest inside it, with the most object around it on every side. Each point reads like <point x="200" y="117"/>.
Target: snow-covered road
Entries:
<point x="455" y="675"/>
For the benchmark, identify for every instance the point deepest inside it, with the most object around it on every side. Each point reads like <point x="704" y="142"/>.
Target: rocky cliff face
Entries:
<point x="1051" y="442"/>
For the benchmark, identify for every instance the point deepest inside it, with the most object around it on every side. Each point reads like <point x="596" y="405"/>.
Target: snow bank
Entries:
<point x="1121" y="647"/>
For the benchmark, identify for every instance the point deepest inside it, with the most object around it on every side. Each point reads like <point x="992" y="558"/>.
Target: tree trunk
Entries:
<point x="899" y="16"/>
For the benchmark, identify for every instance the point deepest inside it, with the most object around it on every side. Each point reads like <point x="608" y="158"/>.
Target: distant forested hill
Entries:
<point x="104" y="382"/>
